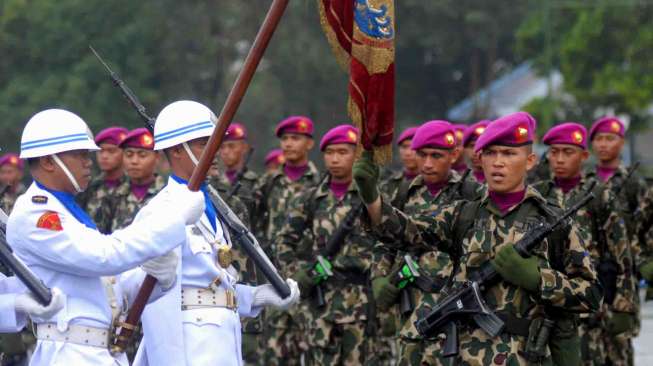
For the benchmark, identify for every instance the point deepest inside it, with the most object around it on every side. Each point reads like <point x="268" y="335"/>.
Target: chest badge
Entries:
<point x="41" y="200"/>
<point x="225" y="256"/>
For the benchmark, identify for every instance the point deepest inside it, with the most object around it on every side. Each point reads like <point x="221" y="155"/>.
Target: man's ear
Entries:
<point x="455" y="154"/>
<point x="531" y="160"/>
<point x="311" y="143"/>
<point x="47" y="164"/>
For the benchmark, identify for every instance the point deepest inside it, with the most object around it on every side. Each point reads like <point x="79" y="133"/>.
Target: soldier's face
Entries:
<point x="79" y="164"/>
<point x="339" y="160"/>
<point x="10" y="174"/>
<point x="140" y="164"/>
<point x="296" y="147"/>
<point x="407" y="156"/>
<point x="434" y="164"/>
<point x="566" y="161"/>
<point x="505" y="167"/>
<point x="607" y="146"/>
<point x="233" y="153"/>
<point x="472" y="157"/>
<point x="109" y="158"/>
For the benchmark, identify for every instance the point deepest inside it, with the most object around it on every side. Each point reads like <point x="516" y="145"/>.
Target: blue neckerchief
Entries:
<point x="209" y="211"/>
<point x="68" y="201"/>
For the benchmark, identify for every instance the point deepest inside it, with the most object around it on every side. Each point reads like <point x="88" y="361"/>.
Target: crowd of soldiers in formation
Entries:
<point x="425" y="213"/>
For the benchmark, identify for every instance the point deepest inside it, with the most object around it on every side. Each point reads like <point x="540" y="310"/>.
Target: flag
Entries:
<point x="361" y="34"/>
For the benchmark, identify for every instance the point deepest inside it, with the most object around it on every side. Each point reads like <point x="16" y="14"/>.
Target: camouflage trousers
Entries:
<point x="414" y="352"/>
<point x="592" y="345"/>
<point x="347" y="344"/>
<point x="254" y="341"/>
<point x="620" y="350"/>
<point x="286" y="338"/>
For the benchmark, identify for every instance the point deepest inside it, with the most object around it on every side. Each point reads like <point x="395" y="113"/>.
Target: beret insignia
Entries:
<point x="459" y="135"/>
<point x="49" y="221"/>
<point x="449" y="139"/>
<point x="122" y="136"/>
<point x="479" y="130"/>
<point x="13" y="160"/>
<point x="146" y="140"/>
<point x="302" y="126"/>
<point x="521" y="134"/>
<point x="351" y="135"/>
<point x="238" y="132"/>
<point x="281" y="159"/>
<point x="577" y="136"/>
<point x="615" y="127"/>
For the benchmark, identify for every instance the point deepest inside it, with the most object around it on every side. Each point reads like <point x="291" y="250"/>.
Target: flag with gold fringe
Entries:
<point x="361" y="34"/>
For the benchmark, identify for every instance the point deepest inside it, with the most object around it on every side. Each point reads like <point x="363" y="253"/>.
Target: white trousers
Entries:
<point x="210" y="343"/>
<point x="69" y="354"/>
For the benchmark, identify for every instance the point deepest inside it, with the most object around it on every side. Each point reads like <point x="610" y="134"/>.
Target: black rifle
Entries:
<point x="128" y="93"/>
<point x="237" y="184"/>
<point x="322" y="270"/>
<point x="242" y="235"/>
<point x="468" y="300"/>
<point x="608" y="269"/>
<point x="41" y="292"/>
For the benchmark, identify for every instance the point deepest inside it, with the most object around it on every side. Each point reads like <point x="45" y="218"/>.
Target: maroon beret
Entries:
<point x="140" y="138"/>
<point x="568" y="133"/>
<point x="472" y="132"/>
<point x="11" y="159"/>
<point x="608" y="125"/>
<point x="515" y="129"/>
<point x="342" y="134"/>
<point x="434" y="134"/>
<point x="406" y="134"/>
<point x="295" y="124"/>
<point x="275" y="155"/>
<point x="235" y="131"/>
<point x="111" y="135"/>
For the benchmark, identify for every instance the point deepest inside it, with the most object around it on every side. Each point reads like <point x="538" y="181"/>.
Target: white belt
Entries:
<point x="77" y="334"/>
<point x="198" y="298"/>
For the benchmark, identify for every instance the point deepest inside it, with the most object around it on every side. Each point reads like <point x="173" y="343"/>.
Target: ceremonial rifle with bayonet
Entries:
<point x="243" y="236"/>
<point x="467" y="300"/>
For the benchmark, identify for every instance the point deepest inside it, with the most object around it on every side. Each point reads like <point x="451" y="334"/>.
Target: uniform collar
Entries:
<point x="531" y="194"/>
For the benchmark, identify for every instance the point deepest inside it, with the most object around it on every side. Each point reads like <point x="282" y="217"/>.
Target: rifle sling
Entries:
<point x="514" y="325"/>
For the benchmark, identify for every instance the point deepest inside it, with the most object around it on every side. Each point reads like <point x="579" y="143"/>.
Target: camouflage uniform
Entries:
<point x="7" y="199"/>
<point x="632" y="193"/>
<point x="573" y="289"/>
<point x="274" y="194"/>
<point x="392" y="186"/>
<point x="600" y="212"/>
<point x="541" y="172"/>
<point x="342" y="332"/>
<point x="438" y="265"/>
<point x="92" y="198"/>
<point x="253" y="341"/>
<point x="119" y="209"/>
<point x="246" y="190"/>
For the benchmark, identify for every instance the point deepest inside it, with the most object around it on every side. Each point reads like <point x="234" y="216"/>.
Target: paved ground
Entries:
<point x="644" y="343"/>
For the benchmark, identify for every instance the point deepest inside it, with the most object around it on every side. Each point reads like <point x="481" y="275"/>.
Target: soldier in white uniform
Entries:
<point x="198" y="323"/>
<point x="59" y="242"/>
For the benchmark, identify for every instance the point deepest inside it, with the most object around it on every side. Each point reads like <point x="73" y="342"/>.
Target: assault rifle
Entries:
<point x="406" y="274"/>
<point x="237" y="184"/>
<point x="467" y="300"/>
<point x="323" y="269"/>
<point x="41" y="292"/>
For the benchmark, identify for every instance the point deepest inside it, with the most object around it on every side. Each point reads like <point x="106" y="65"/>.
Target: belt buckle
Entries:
<point x="225" y="256"/>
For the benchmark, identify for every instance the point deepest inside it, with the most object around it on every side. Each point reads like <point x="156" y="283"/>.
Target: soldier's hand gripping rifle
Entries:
<point x="322" y="269"/>
<point x="467" y="301"/>
<point x="41" y="292"/>
<point x="405" y="275"/>
<point x="199" y="173"/>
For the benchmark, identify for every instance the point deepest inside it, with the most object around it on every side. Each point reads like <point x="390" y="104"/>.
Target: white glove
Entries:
<point x="26" y="304"/>
<point x="267" y="295"/>
<point x="190" y="205"/>
<point x="163" y="268"/>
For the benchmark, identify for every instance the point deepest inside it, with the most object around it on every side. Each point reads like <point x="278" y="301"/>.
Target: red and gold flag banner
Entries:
<point x="362" y="34"/>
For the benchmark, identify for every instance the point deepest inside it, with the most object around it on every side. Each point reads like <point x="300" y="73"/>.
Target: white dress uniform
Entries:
<point x="74" y="258"/>
<point x="202" y="333"/>
<point x="10" y="321"/>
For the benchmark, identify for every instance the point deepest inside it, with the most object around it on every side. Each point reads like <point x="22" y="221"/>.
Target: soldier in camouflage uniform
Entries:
<point x="109" y="160"/>
<point x="13" y="346"/>
<point x="608" y="137"/>
<point x="343" y="329"/>
<point x="469" y="140"/>
<point x="11" y="174"/>
<point x="437" y="184"/>
<point x="399" y="181"/>
<point x="609" y="246"/>
<point x="238" y="183"/>
<point x="273" y="160"/>
<point x="485" y="230"/>
<point x="140" y="161"/>
<point x="275" y="191"/>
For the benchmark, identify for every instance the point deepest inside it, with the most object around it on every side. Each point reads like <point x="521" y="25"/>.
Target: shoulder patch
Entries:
<point x="41" y="200"/>
<point x="49" y="221"/>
